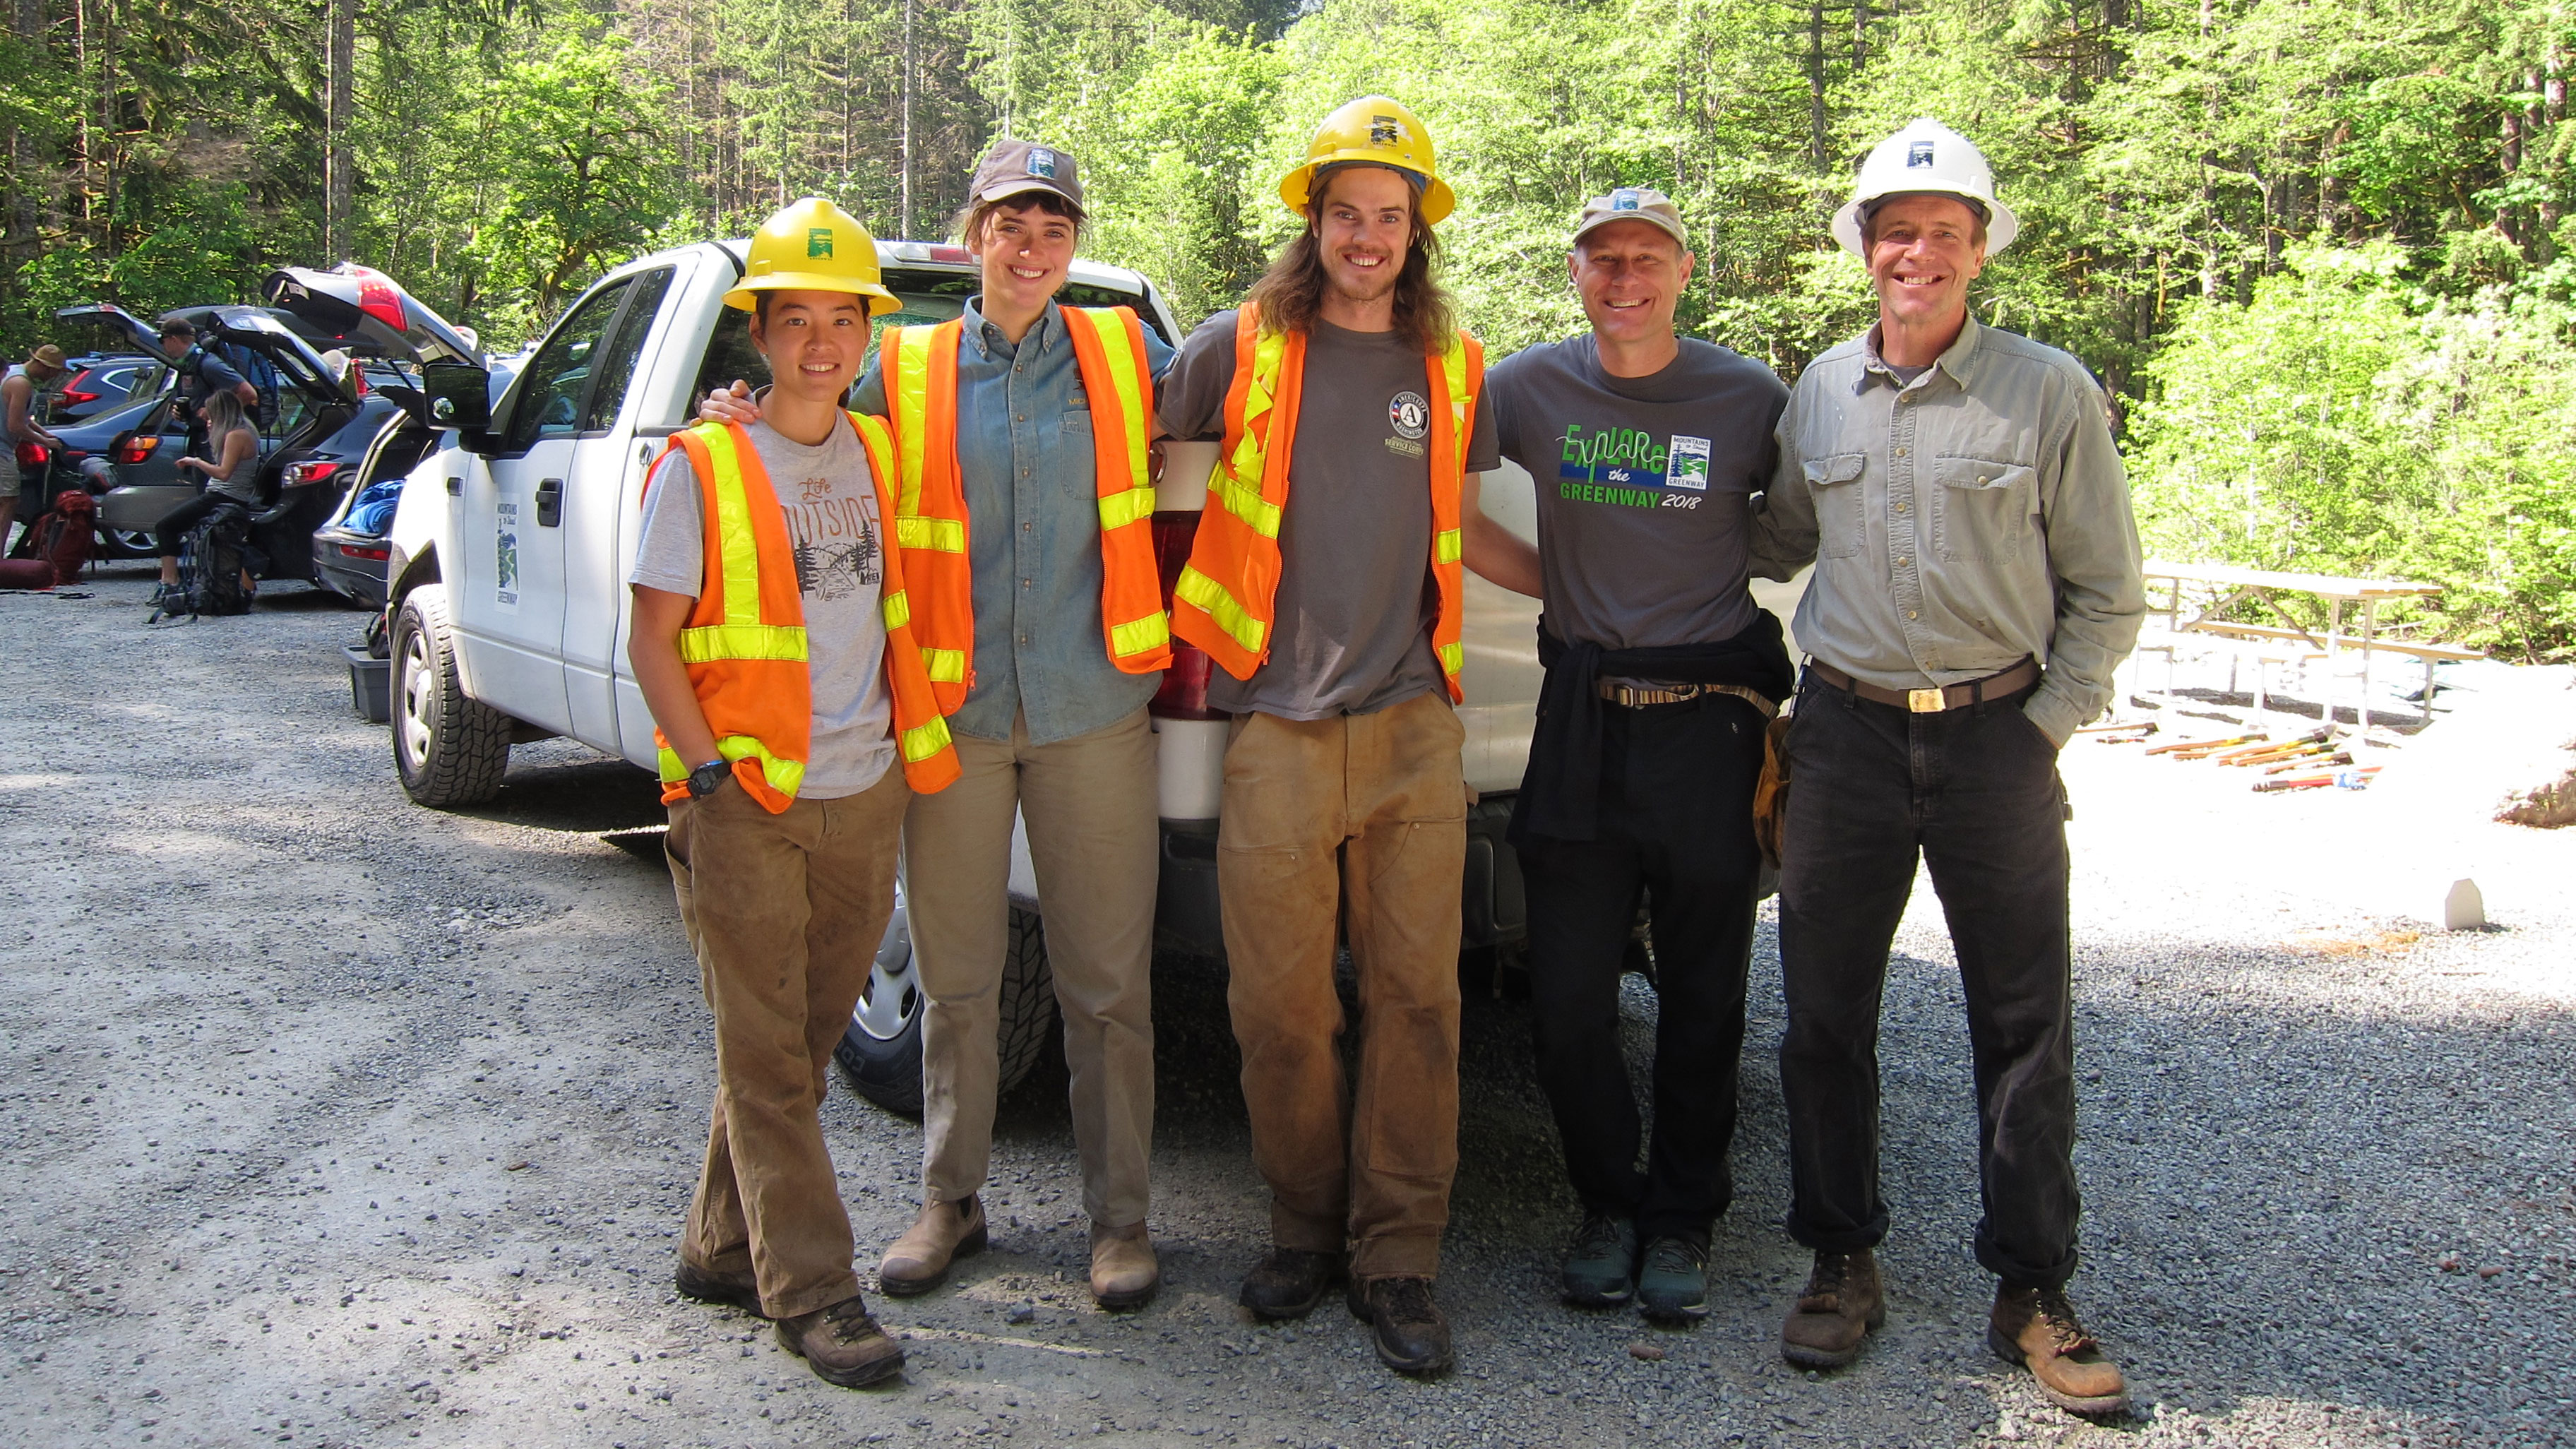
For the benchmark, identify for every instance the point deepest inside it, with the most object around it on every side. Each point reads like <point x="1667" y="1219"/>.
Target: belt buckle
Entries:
<point x="1924" y="701"/>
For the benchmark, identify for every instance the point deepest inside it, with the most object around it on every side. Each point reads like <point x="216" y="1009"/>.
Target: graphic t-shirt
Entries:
<point x="1642" y="486"/>
<point x="1356" y="598"/>
<point x="832" y="526"/>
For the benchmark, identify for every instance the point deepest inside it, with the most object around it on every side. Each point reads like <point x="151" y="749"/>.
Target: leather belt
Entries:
<point x="1628" y="694"/>
<point x="1932" y="701"/>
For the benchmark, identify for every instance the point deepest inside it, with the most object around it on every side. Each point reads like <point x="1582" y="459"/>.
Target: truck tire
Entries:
<point x="449" y="749"/>
<point x="881" y="1048"/>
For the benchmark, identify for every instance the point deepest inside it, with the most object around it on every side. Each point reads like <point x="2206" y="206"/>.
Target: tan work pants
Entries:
<point x="1368" y="813"/>
<point x="786" y="912"/>
<point x="1089" y="803"/>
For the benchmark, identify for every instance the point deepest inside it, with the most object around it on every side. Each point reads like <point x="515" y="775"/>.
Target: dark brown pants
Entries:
<point x="785" y="912"/>
<point x="1370" y="810"/>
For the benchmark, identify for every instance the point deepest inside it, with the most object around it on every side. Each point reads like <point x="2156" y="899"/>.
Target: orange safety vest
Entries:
<point x="930" y="513"/>
<point x="1224" y="601"/>
<point x="744" y="643"/>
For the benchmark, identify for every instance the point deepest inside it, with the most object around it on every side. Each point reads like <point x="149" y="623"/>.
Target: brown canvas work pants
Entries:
<point x="1088" y="803"/>
<point x="1366" y="813"/>
<point x="785" y="912"/>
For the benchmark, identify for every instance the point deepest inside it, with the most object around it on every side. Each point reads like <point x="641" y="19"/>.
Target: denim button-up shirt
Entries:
<point x="1025" y="460"/>
<point x="1959" y="522"/>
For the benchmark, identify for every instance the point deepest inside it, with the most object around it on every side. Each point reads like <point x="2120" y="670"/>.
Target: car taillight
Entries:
<point x="32" y="454"/>
<point x="1184" y="690"/>
<point x="136" y="450"/>
<point x="352" y="550"/>
<point x="73" y="394"/>
<point x="298" y="475"/>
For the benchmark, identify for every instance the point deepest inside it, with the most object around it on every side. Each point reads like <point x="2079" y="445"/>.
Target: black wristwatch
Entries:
<point x="705" y="778"/>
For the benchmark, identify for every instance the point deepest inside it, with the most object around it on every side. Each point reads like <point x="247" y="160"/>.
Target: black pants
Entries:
<point x="1975" y="791"/>
<point x="1675" y="824"/>
<point x="173" y="528"/>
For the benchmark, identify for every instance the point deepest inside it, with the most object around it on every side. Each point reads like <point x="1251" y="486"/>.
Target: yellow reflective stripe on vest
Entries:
<point x="933" y="535"/>
<point x="741" y="641"/>
<point x="1269" y="354"/>
<point x="1448" y="547"/>
<point x="1120" y="509"/>
<point x="1453" y="363"/>
<point x="1453" y="657"/>
<point x="783" y="775"/>
<point x="1126" y="374"/>
<point x="946" y="666"/>
<point x="1138" y="636"/>
<point x="897" y="608"/>
<point x="733" y="533"/>
<point x="1206" y="594"/>
<point x="908" y="388"/>
<point x="923" y="741"/>
<point x="1244" y="500"/>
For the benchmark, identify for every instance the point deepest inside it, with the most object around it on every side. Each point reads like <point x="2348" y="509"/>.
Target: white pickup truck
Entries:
<point x="507" y="604"/>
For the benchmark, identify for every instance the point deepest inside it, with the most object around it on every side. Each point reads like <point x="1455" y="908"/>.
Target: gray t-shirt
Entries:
<point x="831" y="508"/>
<point x="1356" y="598"/>
<point x="1642" y="487"/>
<point x="244" y="482"/>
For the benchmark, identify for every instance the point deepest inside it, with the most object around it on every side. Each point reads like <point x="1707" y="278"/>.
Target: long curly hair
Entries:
<point x="1291" y="293"/>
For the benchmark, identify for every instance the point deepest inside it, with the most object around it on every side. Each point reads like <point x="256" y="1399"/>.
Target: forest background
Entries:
<point x="2321" y="252"/>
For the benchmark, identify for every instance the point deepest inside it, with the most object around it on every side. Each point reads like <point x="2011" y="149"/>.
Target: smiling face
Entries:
<point x="1630" y="275"/>
<point x="1363" y="229"/>
<point x="1026" y="252"/>
<point x="1923" y="253"/>
<point x="816" y="342"/>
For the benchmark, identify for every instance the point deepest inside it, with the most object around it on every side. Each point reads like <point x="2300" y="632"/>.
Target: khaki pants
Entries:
<point x="1368" y="811"/>
<point x="1093" y="839"/>
<point x="785" y="912"/>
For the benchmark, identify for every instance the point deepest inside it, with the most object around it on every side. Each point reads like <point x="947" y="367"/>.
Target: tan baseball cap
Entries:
<point x="1014" y="167"/>
<point x="50" y="358"/>
<point x="1632" y="203"/>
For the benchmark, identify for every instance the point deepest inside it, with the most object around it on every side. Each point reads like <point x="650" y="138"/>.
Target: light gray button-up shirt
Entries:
<point x="1958" y="522"/>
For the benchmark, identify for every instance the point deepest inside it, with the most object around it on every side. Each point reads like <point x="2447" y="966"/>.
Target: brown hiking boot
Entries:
<point x="1123" y="1271"/>
<point x="2036" y="1328"/>
<point x="943" y="1233"/>
<point x="842" y="1344"/>
<point x="735" y="1290"/>
<point x="1289" y="1282"/>
<point x="1843" y="1302"/>
<point x="1411" y="1333"/>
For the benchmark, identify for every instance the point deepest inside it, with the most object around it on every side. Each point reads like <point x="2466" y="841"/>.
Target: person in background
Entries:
<point x="1646" y="448"/>
<point x="228" y="472"/>
<point x="202" y="376"/>
<point x="1977" y="580"/>
<point x="22" y="492"/>
<point x="784" y="687"/>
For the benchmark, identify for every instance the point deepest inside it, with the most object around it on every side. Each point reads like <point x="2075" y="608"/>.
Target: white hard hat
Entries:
<point x="1926" y="156"/>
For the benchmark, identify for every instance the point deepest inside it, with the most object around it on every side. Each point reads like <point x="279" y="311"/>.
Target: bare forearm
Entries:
<point x="1500" y="556"/>
<point x="654" y="651"/>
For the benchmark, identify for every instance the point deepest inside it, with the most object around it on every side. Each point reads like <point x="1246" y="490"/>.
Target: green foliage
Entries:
<point x="567" y="165"/>
<point x="2281" y="231"/>
<point x="2330" y="426"/>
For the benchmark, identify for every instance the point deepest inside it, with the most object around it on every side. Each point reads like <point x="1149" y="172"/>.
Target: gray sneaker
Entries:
<point x="1672" y="1287"/>
<point x="1601" y="1267"/>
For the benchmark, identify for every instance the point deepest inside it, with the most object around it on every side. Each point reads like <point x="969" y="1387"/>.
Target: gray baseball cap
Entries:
<point x="1632" y="203"/>
<point x="1013" y="167"/>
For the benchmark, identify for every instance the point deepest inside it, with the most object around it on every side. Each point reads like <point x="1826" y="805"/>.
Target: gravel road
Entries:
<point x="334" y="1121"/>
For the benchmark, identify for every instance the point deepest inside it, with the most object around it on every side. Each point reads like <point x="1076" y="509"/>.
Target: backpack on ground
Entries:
<point x="70" y="534"/>
<point x="211" y="561"/>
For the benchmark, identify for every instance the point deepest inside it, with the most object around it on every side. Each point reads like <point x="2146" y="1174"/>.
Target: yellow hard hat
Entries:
<point x="1372" y="131"/>
<point x="813" y="246"/>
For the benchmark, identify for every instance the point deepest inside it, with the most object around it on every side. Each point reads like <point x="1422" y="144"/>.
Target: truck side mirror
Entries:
<point x="457" y="395"/>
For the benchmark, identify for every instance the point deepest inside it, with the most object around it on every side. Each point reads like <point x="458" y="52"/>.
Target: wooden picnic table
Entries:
<point x="2233" y="583"/>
